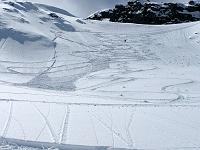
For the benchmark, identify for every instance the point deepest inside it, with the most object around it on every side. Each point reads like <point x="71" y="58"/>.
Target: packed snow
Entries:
<point x="70" y="83"/>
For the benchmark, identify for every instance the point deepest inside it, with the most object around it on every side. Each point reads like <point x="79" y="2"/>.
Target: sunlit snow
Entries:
<point x="102" y="85"/>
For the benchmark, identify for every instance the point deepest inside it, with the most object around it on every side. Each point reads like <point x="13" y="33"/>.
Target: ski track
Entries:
<point x="3" y="44"/>
<point x="43" y="128"/>
<point x="7" y="124"/>
<point x="129" y="136"/>
<point x="94" y="129"/>
<point x="110" y="128"/>
<point x="111" y="49"/>
<point x="64" y="130"/>
<point x="53" y="58"/>
<point x="51" y="131"/>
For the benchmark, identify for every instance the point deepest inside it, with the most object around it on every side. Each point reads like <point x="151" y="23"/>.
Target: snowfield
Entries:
<point x="70" y="83"/>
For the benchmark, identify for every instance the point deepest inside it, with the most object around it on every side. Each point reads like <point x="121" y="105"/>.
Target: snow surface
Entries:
<point x="83" y="8"/>
<point x="79" y="82"/>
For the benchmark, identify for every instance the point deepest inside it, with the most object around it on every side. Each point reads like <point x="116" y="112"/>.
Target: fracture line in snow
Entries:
<point x="103" y="105"/>
<point x="7" y="124"/>
<point x="65" y="124"/>
<point x="52" y="133"/>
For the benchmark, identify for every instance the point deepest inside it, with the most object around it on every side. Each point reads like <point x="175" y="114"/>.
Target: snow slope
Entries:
<point x="79" y="7"/>
<point x="84" y="8"/>
<point x="80" y="82"/>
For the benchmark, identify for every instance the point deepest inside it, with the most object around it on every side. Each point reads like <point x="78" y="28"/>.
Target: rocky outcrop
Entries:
<point x="145" y="12"/>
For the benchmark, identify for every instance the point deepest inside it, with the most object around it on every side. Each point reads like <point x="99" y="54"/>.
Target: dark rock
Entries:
<point x="11" y="3"/>
<point x="119" y="6"/>
<point x="191" y="2"/>
<point x="193" y="8"/>
<point x="53" y="15"/>
<point x="150" y="13"/>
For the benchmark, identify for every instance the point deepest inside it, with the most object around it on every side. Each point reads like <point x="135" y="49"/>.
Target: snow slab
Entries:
<point x="71" y="81"/>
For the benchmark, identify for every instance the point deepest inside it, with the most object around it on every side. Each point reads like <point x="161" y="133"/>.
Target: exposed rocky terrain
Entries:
<point x="146" y="12"/>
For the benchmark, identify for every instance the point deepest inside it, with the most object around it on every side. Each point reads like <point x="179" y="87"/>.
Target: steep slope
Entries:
<point x="84" y="8"/>
<point x="80" y="82"/>
<point x="28" y="40"/>
<point x="79" y="7"/>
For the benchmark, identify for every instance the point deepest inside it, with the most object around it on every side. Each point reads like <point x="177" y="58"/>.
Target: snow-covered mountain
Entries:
<point x="84" y="8"/>
<point x="67" y="82"/>
<point x="79" y="7"/>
